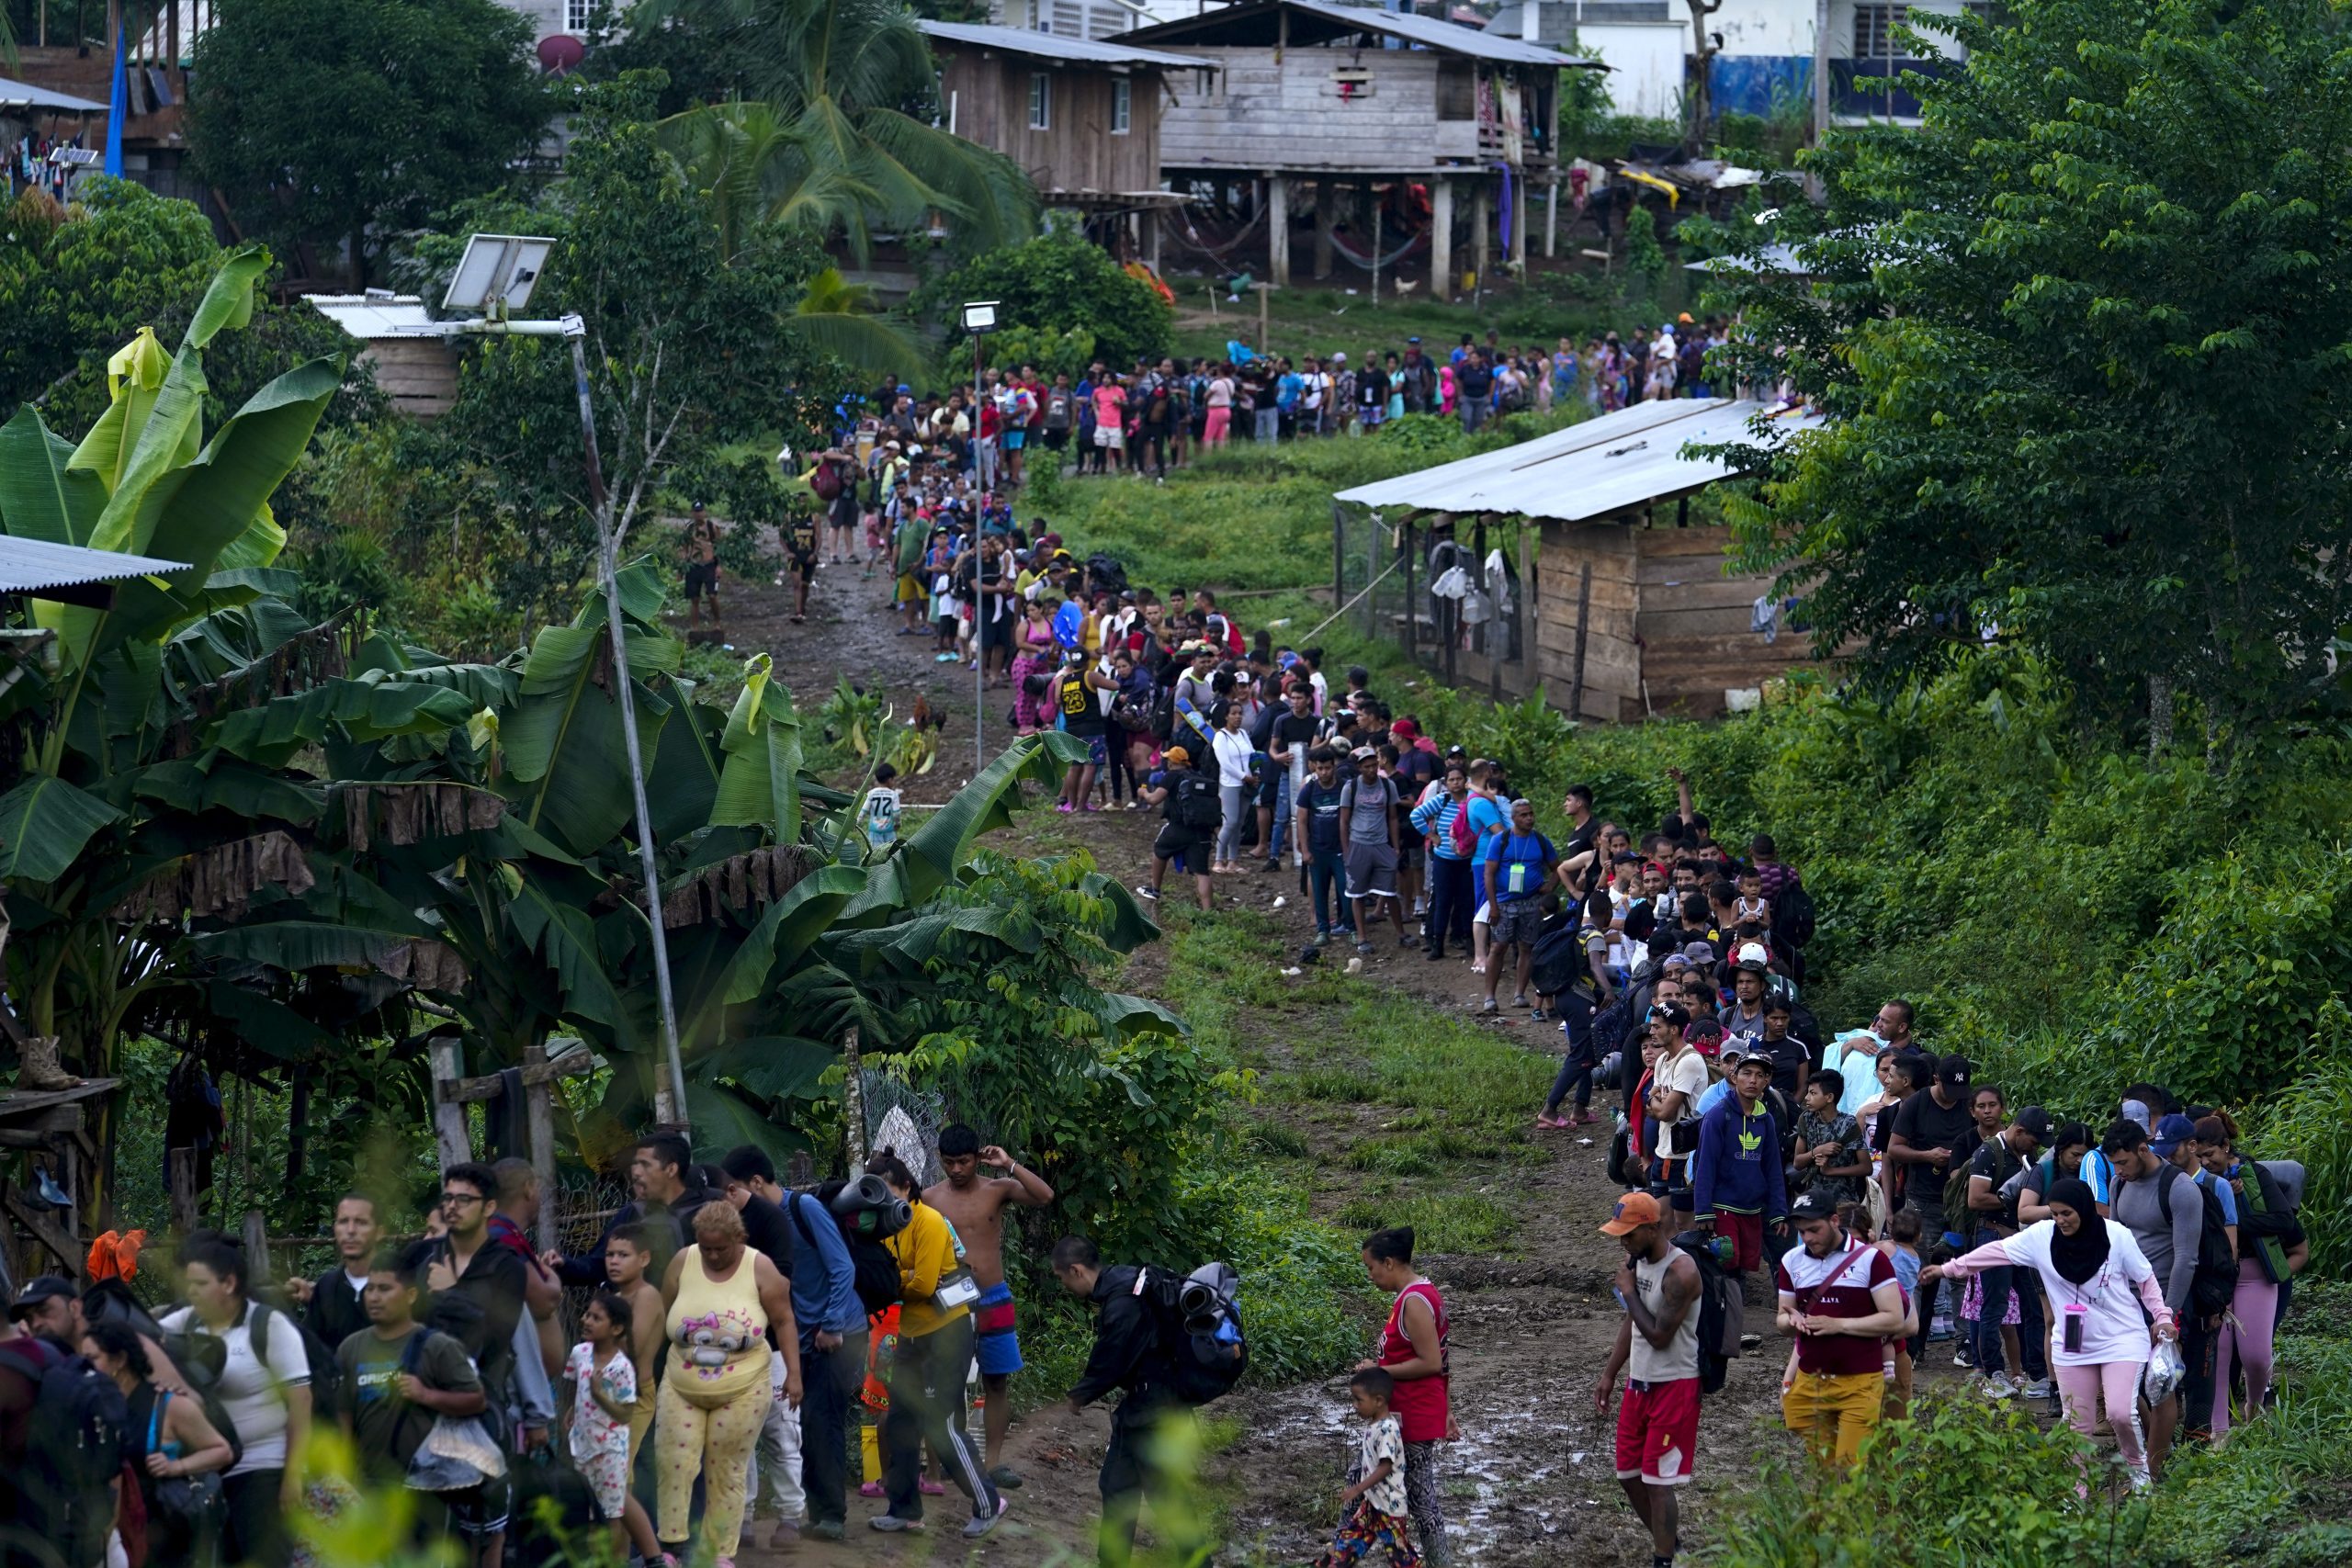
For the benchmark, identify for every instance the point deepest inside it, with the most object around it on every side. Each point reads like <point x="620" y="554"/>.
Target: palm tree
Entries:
<point x="835" y="317"/>
<point x="835" y="147"/>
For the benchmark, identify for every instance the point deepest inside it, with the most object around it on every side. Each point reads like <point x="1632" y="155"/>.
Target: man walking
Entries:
<point x="976" y="1208"/>
<point x="1127" y="1355"/>
<point x="1736" y="1185"/>
<point x="1516" y="866"/>
<point x="1657" y="1352"/>
<point x="1839" y="1297"/>
<point x="2169" y="1225"/>
<point x="1930" y="1131"/>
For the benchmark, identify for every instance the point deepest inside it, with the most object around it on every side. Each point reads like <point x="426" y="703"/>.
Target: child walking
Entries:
<point x="605" y="1401"/>
<point x="1375" y="1505"/>
<point x="878" y="813"/>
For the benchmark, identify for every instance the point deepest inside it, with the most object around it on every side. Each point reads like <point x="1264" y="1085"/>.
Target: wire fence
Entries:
<point x="1454" y="594"/>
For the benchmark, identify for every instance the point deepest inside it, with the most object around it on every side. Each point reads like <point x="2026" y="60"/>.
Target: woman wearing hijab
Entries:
<point x="2097" y="1281"/>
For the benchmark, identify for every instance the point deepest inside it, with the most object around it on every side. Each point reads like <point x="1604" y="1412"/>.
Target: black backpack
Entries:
<point x="1195" y="804"/>
<point x="80" y="1420"/>
<point x="1611" y="1025"/>
<point x="1559" y="957"/>
<point x="1722" y="1314"/>
<point x="2211" y="1288"/>
<point x="1101" y="571"/>
<point x="326" y="1371"/>
<point x="200" y="1358"/>
<point x="874" y="1272"/>
<point x="1204" y="1356"/>
<point x="1792" y="915"/>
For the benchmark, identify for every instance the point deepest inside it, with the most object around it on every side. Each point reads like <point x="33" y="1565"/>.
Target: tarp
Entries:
<point x="14" y="94"/>
<point x="118" y="110"/>
<point x="1602" y="466"/>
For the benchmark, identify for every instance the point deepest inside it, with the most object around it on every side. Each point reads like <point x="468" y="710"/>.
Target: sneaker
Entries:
<point x="1272" y="866"/>
<point x="1144" y="892"/>
<point x="1997" y="1386"/>
<point x="975" y="1527"/>
<point x="1365" y="948"/>
<point x="829" y="1530"/>
<point x="1490" y="1005"/>
<point x="787" y="1536"/>
<point x="890" y="1524"/>
<point x="1961" y="1358"/>
<point x="2039" y="1387"/>
<point x="1536" y="1015"/>
<point x="1519" y="1000"/>
<point x="1005" y="1478"/>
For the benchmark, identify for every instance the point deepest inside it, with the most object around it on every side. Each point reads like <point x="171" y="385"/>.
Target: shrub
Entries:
<point x="1057" y="283"/>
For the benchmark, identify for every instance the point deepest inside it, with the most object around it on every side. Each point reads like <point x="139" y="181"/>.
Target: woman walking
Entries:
<point x="1413" y="1352"/>
<point x="722" y="1299"/>
<point x="2098" y="1283"/>
<point x="265" y="1389"/>
<point x="171" y="1440"/>
<point x="1235" y="770"/>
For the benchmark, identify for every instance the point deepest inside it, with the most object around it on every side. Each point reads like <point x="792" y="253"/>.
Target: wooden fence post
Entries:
<point x="180" y="1167"/>
<point x="1411" y="549"/>
<point x="1339" y="552"/>
<point x="256" y="1239"/>
<point x="1530" y="607"/>
<point x="1584" y="614"/>
<point x="538" y="1112"/>
<point x="450" y="1127"/>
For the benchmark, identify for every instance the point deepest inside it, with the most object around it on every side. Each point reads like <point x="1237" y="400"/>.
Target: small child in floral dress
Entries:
<point x="1375" y="1506"/>
<point x="605" y="1396"/>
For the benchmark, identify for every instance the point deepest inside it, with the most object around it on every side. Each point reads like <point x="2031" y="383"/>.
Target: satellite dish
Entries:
<point x="560" y="51"/>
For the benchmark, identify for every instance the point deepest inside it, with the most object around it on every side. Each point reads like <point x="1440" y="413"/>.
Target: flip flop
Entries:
<point x="1551" y="1123"/>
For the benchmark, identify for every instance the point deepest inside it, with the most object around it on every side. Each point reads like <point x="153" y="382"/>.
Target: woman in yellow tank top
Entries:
<point x="722" y="1299"/>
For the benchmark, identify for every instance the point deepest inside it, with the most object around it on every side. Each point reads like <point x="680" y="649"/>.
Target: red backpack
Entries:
<point x="1465" y="838"/>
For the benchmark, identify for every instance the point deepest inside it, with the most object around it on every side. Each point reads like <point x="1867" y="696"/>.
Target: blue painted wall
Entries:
<point x="1748" y="84"/>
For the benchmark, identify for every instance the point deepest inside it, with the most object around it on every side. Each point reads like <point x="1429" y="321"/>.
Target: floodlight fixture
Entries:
<point x="497" y="273"/>
<point x="980" y="316"/>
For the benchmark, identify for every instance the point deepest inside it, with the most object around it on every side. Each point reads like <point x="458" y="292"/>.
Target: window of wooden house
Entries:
<point x="1457" y="91"/>
<point x="1875" y="32"/>
<point x="1123" y="104"/>
<point x="1041" y="101"/>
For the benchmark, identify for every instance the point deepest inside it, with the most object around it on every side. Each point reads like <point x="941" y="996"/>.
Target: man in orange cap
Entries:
<point x="1185" y="796"/>
<point x="1657" y="1354"/>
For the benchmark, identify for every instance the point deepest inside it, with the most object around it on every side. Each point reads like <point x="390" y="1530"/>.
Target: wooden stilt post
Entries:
<point x="853" y="1105"/>
<point x="256" y="1234"/>
<point x="449" y="1128"/>
<point x="1584" y="615"/>
<point x="179" y="1173"/>
<point x="538" y="1115"/>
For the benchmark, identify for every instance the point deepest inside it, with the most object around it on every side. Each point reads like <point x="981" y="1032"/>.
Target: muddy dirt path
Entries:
<point x="1531" y="1480"/>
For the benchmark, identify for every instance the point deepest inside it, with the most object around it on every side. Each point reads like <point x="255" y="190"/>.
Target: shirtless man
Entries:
<point x="702" y="567"/>
<point x="976" y="1208"/>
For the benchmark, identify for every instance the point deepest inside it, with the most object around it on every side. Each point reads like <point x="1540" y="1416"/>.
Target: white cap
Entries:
<point x="1753" y="953"/>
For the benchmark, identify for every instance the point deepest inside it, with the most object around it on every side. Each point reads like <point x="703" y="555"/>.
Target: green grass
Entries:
<point x="1449" y="1223"/>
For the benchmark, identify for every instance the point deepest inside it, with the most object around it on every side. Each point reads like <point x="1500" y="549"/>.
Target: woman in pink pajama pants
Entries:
<point x="2103" y="1299"/>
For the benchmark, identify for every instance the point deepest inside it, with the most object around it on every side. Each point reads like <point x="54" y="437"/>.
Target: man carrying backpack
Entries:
<point x="1129" y="1355"/>
<point x="2165" y="1210"/>
<point x="1188" y="801"/>
<point x="62" y="1428"/>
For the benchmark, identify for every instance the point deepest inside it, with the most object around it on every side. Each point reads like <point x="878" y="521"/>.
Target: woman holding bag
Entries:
<point x="180" y="1454"/>
<point x="723" y="1298"/>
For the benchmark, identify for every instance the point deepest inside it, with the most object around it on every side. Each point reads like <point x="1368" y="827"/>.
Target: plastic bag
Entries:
<point x="2162" y="1373"/>
<point x="456" y="1454"/>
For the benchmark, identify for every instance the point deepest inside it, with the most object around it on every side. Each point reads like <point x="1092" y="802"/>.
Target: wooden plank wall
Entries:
<point x="420" y="375"/>
<point x="1261" y="115"/>
<point x="1666" y="587"/>
<point x="1077" y="153"/>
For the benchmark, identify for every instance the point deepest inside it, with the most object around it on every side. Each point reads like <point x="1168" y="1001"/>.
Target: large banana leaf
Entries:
<point x="41" y="497"/>
<point x="567" y="759"/>
<point x="774" y="1067"/>
<point x="44" y="823"/>
<point x="786" y="932"/>
<point x="760" y="785"/>
<point x="223" y="783"/>
<point x="272" y="733"/>
<point x="566" y="939"/>
<point x="928" y="859"/>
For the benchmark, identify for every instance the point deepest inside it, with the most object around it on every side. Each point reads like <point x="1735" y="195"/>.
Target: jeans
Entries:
<point x="1270" y="425"/>
<point x="1575" y="1069"/>
<point x="1998" y="1284"/>
<point x="1278" y="834"/>
<point x="1451" y="901"/>
<point x="1237" y="798"/>
<point x="831" y="1379"/>
<point x="1326" y="873"/>
<point x="1474" y="414"/>
<point x="917" y="1417"/>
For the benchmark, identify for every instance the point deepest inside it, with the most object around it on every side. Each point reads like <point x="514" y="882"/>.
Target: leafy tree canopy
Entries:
<point x="2081" y="340"/>
<point x="1057" y="283"/>
<point x="326" y="121"/>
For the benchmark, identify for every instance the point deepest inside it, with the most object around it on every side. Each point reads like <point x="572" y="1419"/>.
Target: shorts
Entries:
<point x="1371" y="418"/>
<point x="479" y="1511"/>
<point x="996" y="633"/>
<point x="1747" y="1236"/>
<point x="702" y="577"/>
<point x="997" y="1338"/>
<point x="1517" y="920"/>
<point x="1182" y="849"/>
<point x="1485" y="910"/>
<point x="1657" y="1432"/>
<point x="1670" y="1181"/>
<point x="803" y="562"/>
<point x="910" y="591"/>
<point x="1098" y="749"/>
<point x="1056" y="439"/>
<point x="1412" y="854"/>
<point x="1014" y="440"/>
<point x="1110" y="437"/>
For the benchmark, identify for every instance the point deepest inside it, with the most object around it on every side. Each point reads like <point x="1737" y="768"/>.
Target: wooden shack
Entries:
<point x="1637" y="611"/>
<point x="1081" y="116"/>
<point x="413" y="355"/>
<point x="1330" y="106"/>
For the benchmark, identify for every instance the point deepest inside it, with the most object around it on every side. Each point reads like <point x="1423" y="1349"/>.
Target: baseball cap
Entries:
<point x="2035" y="1123"/>
<point x="1703" y="1034"/>
<point x="1812" y="1206"/>
<point x="1415" y="342"/>
<point x="1178" y="755"/>
<point x="2137" y="1110"/>
<point x="1753" y="956"/>
<point x="1674" y="961"/>
<point x="1734" y="1048"/>
<point x="1360" y="752"/>
<point x="1634" y="1211"/>
<point x="1340" y="358"/>
<point x="2171" y="1132"/>
<point x="38" y="1289"/>
<point x="1952" y="1072"/>
<point x="1698" y="952"/>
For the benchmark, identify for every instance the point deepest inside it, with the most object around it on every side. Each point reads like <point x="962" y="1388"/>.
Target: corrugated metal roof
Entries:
<point x="27" y="565"/>
<point x="1602" y="466"/>
<point x="379" y="315"/>
<point x="1430" y="32"/>
<point x="1053" y="46"/>
<point x="14" y="94"/>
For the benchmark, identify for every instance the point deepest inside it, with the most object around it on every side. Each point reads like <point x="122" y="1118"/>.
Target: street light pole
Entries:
<point x="979" y="319"/>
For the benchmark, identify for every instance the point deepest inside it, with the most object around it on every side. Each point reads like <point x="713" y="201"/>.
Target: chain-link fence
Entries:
<point x="1455" y="593"/>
